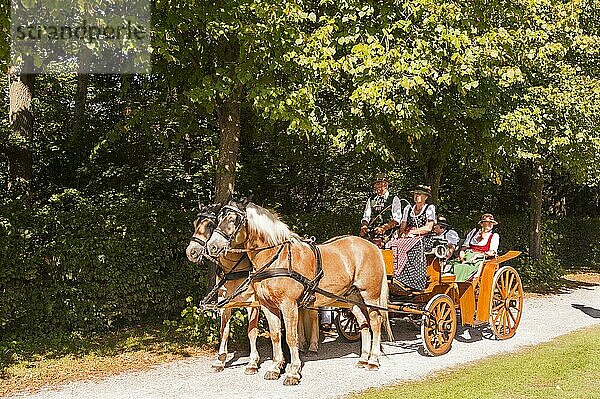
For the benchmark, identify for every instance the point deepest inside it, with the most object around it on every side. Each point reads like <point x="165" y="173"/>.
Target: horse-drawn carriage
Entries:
<point x="285" y="272"/>
<point x="492" y="298"/>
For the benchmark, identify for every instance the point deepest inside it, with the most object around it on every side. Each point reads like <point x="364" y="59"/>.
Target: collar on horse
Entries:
<point x="265" y="272"/>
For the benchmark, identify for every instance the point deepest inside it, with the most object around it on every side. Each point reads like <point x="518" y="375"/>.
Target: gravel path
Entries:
<point x="332" y="373"/>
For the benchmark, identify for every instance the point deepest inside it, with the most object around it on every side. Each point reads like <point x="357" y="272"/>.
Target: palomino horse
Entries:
<point x="352" y="268"/>
<point x="234" y="268"/>
<point x="234" y="265"/>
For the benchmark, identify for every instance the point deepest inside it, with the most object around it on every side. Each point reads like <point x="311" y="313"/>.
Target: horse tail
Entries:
<point x="383" y="302"/>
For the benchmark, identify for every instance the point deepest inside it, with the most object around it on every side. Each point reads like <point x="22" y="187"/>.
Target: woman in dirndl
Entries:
<point x="410" y="265"/>
<point x="478" y="244"/>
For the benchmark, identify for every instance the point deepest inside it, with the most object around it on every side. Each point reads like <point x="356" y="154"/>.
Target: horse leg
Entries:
<point x="252" y="367"/>
<point x="302" y="329"/>
<point x="275" y="333"/>
<point x="313" y="320"/>
<point x="290" y="316"/>
<point x="365" y="336"/>
<point x="375" y="320"/>
<point x="219" y="364"/>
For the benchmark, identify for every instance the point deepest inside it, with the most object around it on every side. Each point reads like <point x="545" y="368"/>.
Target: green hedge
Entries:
<point x="91" y="264"/>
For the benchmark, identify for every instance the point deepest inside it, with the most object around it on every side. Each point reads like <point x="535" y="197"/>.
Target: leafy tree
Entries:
<point x="551" y="118"/>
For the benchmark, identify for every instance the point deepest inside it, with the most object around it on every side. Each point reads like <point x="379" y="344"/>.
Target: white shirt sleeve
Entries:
<point x="469" y="237"/>
<point x="397" y="210"/>
<point x="431" y="213"/>
<point x="405" y="213"/>
<point x="452" y="237"/>
<point x="495" y="243"/>
<point x="367" y="213"/>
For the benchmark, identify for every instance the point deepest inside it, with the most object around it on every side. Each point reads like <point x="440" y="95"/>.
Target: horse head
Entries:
<point x="204" y="224"/>
<point x="230" y="221"/>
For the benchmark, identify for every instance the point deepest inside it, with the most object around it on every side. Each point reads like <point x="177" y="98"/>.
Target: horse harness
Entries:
<point x="265" y="272"/>
<point x="310" y="286"/>
<point x="224" y="277"/>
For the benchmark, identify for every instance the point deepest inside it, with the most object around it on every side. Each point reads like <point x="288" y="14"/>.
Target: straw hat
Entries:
<point x="441" y="221"/>
<point x="488" y="217"/>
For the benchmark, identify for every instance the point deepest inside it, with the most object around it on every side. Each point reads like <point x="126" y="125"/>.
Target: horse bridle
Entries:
<point x="211" y="216"/>
<point x="239" y="222"/>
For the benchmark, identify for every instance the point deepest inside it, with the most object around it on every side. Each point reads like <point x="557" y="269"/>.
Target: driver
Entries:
<point x="383" y="213"/>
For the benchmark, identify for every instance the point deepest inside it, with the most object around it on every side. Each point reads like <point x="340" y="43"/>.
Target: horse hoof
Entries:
<point x="251" y="370"/>
<point x="291" y="380"/>
<point x="311" y="354"/>
<point x="361" y="364"/>
<point x="217" y="368"/>
<point x="271" y="375"/>
<point x="372" y="366"/>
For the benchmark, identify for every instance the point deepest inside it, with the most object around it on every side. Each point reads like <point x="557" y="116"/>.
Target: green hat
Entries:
<point x="380" y="177"/>
<point x="423" y="189"/>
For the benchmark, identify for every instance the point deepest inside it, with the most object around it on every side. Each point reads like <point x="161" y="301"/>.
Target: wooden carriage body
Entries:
<point x="493" y="298"/>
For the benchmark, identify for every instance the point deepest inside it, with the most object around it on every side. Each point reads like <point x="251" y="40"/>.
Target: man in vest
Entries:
<point x="383" y="213"/>
<point x="443" y="232"/>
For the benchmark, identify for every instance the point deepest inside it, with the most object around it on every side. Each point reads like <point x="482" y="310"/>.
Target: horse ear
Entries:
<point x="245" y="201"/>
<point x="216" y="208"/>
<point x="201" y="206"/>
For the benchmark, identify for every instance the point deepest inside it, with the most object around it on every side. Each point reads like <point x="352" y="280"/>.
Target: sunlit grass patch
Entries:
<point x="567" y="367"/>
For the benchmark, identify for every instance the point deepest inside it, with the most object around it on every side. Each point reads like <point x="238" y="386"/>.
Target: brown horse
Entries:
<point x="353" y="268"/>
<point x="232" y="263"/>
<point x="308" y="330"/>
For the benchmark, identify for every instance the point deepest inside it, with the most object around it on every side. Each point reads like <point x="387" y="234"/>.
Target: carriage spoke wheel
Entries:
<point x="438" y="325"/>
<point x="347" y="325"/>
<point x="506" y="305"/>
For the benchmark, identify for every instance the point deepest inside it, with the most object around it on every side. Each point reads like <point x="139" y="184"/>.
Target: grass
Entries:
<point x="567" y="367"/>
<point x="31" y="364"/>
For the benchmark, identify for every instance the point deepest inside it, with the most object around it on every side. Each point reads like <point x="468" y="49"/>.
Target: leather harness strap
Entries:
<point x="310" y="286"/>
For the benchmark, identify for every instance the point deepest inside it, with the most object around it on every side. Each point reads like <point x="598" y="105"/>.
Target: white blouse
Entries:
<point x="409" y="210"/>
<point x="473" y="238"/>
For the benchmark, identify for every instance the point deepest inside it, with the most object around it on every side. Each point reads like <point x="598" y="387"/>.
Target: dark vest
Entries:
<point x="379" y="217"/>
<point x="414" y="222"/>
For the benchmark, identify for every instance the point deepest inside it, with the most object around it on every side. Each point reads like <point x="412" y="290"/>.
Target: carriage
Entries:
<point x="493" y="298"/>
<point x="287" y="273"/>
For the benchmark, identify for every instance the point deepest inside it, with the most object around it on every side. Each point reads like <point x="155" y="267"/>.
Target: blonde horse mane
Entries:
<point x="265" y="225"/>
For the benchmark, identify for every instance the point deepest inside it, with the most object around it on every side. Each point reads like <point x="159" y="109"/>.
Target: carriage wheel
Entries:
<point x="347" y="325"/>
<point x="438" y="325"/>
<point x="506" y="305"/>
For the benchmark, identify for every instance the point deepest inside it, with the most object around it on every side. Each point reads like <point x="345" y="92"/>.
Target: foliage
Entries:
<point x="330" y="93"/>
<point x="91" y="264"/>
<point x="202" y="326"/>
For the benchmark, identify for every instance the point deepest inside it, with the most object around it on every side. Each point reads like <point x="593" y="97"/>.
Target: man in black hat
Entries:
<point x="383" y="212"/>
<point x="444" y="233"/>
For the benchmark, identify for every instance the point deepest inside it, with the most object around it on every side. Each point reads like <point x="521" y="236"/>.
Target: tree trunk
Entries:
<point x="229" y="123"/>
<point x="433" y="177"/>
<point x="18" y="149"/>
<point x="535" y="218"/>
<point x="78" y="119"/>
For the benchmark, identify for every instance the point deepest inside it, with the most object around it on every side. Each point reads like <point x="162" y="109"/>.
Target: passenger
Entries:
<point x="478" y="244"/>
<point x="383" y="211"/>
<point x="409" y="249"/>
<point x="444" y="233"/>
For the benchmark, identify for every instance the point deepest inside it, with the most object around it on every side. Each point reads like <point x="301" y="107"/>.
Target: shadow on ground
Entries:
<point x="592" y="312"/>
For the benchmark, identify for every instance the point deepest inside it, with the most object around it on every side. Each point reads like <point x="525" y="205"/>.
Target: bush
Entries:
<point x="92" y="264"/>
